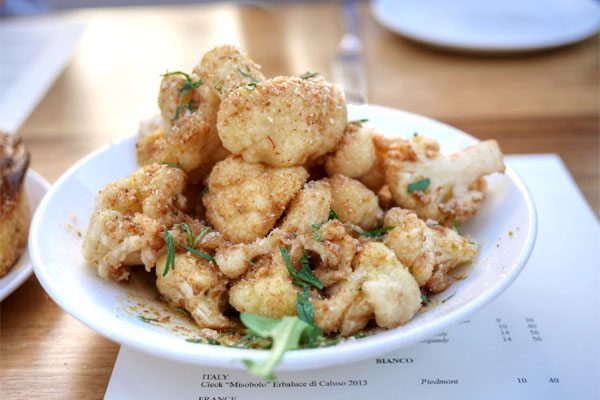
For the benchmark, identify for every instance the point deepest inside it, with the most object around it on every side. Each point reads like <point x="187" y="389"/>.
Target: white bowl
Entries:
<point x="506" y="226"/>
<point x="36" y="188"/>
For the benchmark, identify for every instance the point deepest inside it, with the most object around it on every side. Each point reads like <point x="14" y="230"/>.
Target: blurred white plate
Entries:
<point x="491" y="26"/>
<point x="112" y="308"/>
<point x="36" y="188"/>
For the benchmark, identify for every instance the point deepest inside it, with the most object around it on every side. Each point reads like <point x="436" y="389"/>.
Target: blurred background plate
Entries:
<point x="506" y="26"/>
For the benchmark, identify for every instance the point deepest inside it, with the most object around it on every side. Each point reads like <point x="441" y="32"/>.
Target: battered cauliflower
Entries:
<point x="225" y="68"/>
<point x="380" y="287"/>
<point x="354" y="203"/>
<point x="245" y="200"/>
<point x="355" y="155"/>
<point x="283" y="121"/>
<point x="129" y="217"/>
<point x="428" y="252"/>
<point x="197" y="286"/>
<point x="310" y="207"/>
<point x="191" y="141"/>
<point x="266" y="289"/>
<point x="457" y="184"/>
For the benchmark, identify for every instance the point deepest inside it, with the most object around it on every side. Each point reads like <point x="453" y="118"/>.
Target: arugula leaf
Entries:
<point x="309" y="75"/>
<point x="376" y="233"/>
<point x="422" y="184"/>
<point x="305" y="275"/>
<point x="170" y="252"/>
<point x="286" y="334"/>
<point x="248" y="76"/>
<point x="457" y="227"/>
<point x="306" y="313"/>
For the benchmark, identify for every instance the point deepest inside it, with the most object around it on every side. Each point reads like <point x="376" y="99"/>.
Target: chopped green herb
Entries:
<point x="213" y="342"/>
<point x="358" y="122"/>
<point x="250" y="86"/>
<point x="196" y="252"/>
<point x="251" y="263"/>
<point x="170" y="252"/>
<point x="204" y="191"/>
<point x="376" y="233"/>
<point x="457" y="227"/>
<point x="188" y="86"/>
<point x="204" y="232"/>
<point x="304" y="276"/>
<point x="306" y="313"/>
<point x="422" y="185"/>
<point x="175" y="212"/>
<point x="309" y="75"/>
<point x="415" y="134"/>
<point x="332" y="215"/>
<point x="184" y="226"/>
<point x="172" y="165"/>
<point x="190" y="106"/>
<point x="187" y="77"/>
<point x="147" y="319"/>
<point x="425" y="299"/>
<point x="248" y="76"/>
<point x="449" y="297"/>
<point x="359" y="289"/>
<point x="194" y="340"/>
<point x="361" y="334"/>
<point x="316" y="235"/>
<point x="472" y="243"/>
<point x="286" y="334"/>
<point x="230" y="333"/>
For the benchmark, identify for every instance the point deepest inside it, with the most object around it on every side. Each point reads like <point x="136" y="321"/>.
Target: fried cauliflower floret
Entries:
<point x="192" y="141"/>
<point x="375" y="178"/>
<point x="176" y="101"/>
<point x="310" y="207"/>
<point x="354" y="203"/>
<point x="355" y="155"/>
<point x="129" y="217"/>
<point x="457" y="184"/>
<point x="380" y="287"/>
<point x="283" y="121"/>
<point x="225" y="68"/>
<point x="265" y="290"/>
<point x="197" y="286"/>
<point x="245" y="200"/>
<point x="428" y="252"/>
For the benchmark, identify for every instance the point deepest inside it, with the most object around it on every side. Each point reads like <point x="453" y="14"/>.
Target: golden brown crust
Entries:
<point x="14" y="204"/>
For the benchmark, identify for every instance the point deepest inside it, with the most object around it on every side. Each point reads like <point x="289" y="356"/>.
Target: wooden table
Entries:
<point x="538" y="103"/>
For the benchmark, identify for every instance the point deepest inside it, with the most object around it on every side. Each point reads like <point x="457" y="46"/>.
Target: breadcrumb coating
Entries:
<point x="197" y="286"/>
<point x="283" y="121"/>
<point x="428" y="252"/>
<point x="457" y="184"/>
<point x="225" y="68"/>
<point x="354" y="203"/>
<point x="245" y="200"/>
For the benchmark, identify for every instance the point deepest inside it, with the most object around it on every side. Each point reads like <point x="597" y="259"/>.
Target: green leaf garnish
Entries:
<point x="286" y="334"/>
<point x="187" y="77"/>
<point x="196" y="252"/>
<point x="361" y="334"/>
<point x="415" y="134"/>
<point x="218" y="86"/>
<point x="305" y="275"/>
<point x="197" y="238"/>
<point x="204" y="191"/>
<point x="422" y="184"/>
<point x="184" y="226"/>
<point x="316" y="235"/>
<point x="251" y="263"/>
<point x="448" y="298"/>
<point x="172" y="165"/>
<point x="332" y="215"/>
<point x="457" y="227"/>
<point x="147" y="319"/>
<point x="250" y="86"/>
<point x="425" y="299"/>
<point x="188" y="85"/>
<point x="248" y="76"/>
<point x="358" y="122"/>
<point x="190" y="106"/>
<point x="309" y="75"/>
<point x="376" y="233"/>
<point x="170" y="252"/>
<point x="194" y="340"/>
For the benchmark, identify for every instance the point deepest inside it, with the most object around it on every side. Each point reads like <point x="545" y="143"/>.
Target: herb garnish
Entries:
<point x="305" y="275"/>
<point x="204" y="191"/>
<point x="188" y="85"/>
<point x="172" y="165"/>
<point x="147" y="319"/>
<point x="449" y="297"/>
<point x="309" y="75"/>
<point x="425" y="299"/>
<point x="316" y="235"/>
<point x="332" y="215"/>
<point x="422" y="185"/>
<point x="248" y="76"/>
<point x="358" y="122"/>
<point x="251" y="263"/>
<point x="191" y="240"/>
<point x="170" y="252"/>
<point x="286" y="334"/>
<point x="376" y="233"/>
<point x="457" y="227"/>
<point x="190" y="106"/>
<point x="250" y="86"/>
